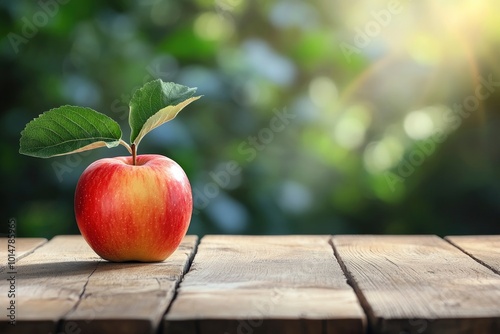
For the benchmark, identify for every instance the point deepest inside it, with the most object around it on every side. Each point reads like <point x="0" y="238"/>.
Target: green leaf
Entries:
<point x="155" y="103"/>
<point x="68" y="129"/>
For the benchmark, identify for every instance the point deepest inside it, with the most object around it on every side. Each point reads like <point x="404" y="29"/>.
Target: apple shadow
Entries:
<point x="70" y="268"/>
<point x="53" y="269"/>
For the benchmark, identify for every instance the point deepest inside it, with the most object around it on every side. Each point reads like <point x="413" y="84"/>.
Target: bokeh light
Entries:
<point x="344" y="117"/>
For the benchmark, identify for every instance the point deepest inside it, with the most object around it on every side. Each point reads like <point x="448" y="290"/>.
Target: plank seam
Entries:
<point x="370" y="315"/>
<point x="185" y="271"/>
<point x="324" y="327"/>
<point x="481" y="262"/>
<point x="22" y="256"/>
<point x="31" y="251"/>
<point x="80" y="298"/>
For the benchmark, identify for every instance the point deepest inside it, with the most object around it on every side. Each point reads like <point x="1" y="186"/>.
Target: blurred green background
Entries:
<point x="339" y="116"/>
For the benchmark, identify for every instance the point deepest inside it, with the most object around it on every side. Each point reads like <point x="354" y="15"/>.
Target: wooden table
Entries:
<point x="258" y="284"/>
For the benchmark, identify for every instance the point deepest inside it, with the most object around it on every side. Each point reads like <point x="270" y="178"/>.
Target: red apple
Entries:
<point x="130" y="212"/>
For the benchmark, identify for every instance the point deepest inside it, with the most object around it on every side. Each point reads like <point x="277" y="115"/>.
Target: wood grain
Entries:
<point x="264" y="284"/>
<point x="23" y="247"/>
<point x="420" y="284"/>
<point x="483" y="248"/>
<point x="130" y="297"/>
<point x="65" y="287"/>
<point x="48" y="284"/>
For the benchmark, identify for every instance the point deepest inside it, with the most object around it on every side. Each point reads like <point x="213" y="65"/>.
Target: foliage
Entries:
<point x="317" y="117"/>
<point x="73" y="129"/>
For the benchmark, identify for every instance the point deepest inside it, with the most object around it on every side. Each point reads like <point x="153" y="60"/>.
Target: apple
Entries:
<point x="133" y="208"/>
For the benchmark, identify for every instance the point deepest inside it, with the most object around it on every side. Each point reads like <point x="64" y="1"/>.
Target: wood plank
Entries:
<point x="130" y="297"/>
<point x="416" y="284"/>
<point x="265" y="284"/>
<point x="483" y="248"/>
<point x="23" y="247"/>
<point x="48" y="284"/>
<point x="57" y="283"/>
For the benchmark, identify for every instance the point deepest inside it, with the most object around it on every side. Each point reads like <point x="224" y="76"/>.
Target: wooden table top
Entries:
<point x="258" y="284"/>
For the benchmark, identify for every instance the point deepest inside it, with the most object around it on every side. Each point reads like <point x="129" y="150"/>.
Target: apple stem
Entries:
<point x="134" y="154"/>
<point x="132" y="150"/>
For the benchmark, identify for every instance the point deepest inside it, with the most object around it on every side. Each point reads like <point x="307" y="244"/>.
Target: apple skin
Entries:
<point x="129" y="212"/>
